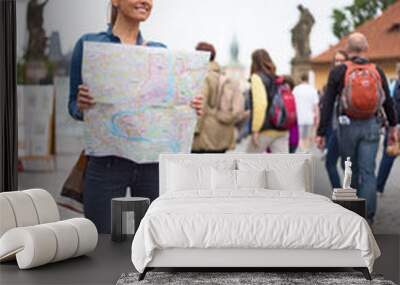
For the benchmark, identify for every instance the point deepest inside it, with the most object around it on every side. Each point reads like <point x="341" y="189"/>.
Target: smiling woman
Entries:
<point x="133" y="9"/>
<point x="108" y="177"/>
<point x="131" y="13"/>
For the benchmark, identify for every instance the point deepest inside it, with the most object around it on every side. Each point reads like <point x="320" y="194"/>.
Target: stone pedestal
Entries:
<point x="299" y="67"/>
<point x="36" y="72"/>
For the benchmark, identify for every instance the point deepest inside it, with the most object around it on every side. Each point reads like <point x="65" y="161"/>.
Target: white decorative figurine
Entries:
<point x="347" y="174"/>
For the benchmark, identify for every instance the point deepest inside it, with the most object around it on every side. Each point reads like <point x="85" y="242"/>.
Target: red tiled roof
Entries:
<point x="383" y="34"/>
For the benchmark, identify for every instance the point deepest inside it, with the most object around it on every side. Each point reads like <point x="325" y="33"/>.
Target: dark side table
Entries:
<point x="358" y="206"/>
<point x="126" y="214"/>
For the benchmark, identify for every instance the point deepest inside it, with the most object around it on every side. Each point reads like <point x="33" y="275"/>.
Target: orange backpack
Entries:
<point x="362" y="95"/>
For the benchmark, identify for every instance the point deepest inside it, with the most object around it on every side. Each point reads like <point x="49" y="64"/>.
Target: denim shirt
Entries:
<point x="76" y="64"/>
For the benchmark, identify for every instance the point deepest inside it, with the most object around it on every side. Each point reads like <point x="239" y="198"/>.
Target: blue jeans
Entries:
<point x="332" y="158"/>
<point x="359" y="140"/>
<point x="107" y="178"/>
<point x="385" y="167"/>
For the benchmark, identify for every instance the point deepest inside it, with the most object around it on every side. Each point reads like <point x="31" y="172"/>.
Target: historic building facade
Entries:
<point x="383" y="34"/>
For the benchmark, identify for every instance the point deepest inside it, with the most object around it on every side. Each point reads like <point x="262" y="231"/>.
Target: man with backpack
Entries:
<point x="362" y="92"/>
<point x="223" y="108"/>
<point x="388" y="158"/>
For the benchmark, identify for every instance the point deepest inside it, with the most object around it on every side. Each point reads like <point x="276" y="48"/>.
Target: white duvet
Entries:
<point x="250" y="219"/>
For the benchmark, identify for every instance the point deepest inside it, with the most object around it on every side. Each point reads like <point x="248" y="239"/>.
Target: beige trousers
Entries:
<point x="276" y="144"/>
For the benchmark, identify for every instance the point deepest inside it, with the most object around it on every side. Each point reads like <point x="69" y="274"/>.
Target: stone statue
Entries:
<point x="37" y="42"/>
<point x="347" y="174"/>
<point x="301" y="33"/>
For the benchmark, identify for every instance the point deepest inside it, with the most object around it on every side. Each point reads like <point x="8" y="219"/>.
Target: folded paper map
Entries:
<point x="142" y="99"/>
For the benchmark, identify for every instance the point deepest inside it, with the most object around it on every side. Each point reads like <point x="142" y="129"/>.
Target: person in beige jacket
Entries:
<point x="223" y="108"/>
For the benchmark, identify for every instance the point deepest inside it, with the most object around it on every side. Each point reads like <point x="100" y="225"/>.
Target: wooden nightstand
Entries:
<point x="358" y="206"/>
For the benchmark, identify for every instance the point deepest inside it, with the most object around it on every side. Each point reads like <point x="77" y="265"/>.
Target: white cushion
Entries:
<point x="32" y="246"/>
<point x="277" y="180"/>
<point x="67" y="240"/>
<point x="7" y="218"/>
<point x="45" y="206"/>
<point x="284" y="174"/>
<point x="223" y="179"/>
<point x="27" y="208"/>
<point x="41" y="244"/>
<point x="167" y="173"/>
<point x="203" y="160"/>
<point x="243" y="162"/>
<point x="231" y="180"/>
<point x="251" y="178"/>
<point x="188" y="177"/>
<point x="23" y="208"/>
<point x="87" y="233"/>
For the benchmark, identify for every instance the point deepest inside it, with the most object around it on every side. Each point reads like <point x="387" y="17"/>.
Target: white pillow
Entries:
<point x="183" y="177"/>
<point x="223" y="179"/>
<point x="203" y="160"/>
<point x="279" y="180"/>
<point x="283" y="174"/>
<point x="251" y="178"/>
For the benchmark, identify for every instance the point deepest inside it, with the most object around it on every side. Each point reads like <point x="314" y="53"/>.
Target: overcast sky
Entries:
<point x="182" y="23"/>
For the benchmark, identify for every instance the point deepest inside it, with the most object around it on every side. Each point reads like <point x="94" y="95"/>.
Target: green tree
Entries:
<point x="354" y="15"/>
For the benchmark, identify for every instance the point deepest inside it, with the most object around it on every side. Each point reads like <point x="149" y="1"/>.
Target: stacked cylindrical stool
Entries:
<point x="31" y="231"/>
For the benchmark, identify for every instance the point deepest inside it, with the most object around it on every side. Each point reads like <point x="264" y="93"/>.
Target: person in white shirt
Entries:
<point x="306" y="104"/>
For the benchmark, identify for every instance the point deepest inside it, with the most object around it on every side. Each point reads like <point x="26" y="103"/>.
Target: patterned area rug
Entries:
<point x="243" y="278"/>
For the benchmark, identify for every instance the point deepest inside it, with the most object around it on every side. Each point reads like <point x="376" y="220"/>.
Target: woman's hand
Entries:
<point x="246" y="115"/>
<point x="197" y="104"/>
<point x="84" y="100"/>
<point x="255" y="139"/>
<point x="320" y="142"/>
<point x="393" y="135"/>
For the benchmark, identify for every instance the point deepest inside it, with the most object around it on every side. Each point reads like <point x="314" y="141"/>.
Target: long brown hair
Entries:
<point x="262" y="62"/>
<point x="114" y="14"/>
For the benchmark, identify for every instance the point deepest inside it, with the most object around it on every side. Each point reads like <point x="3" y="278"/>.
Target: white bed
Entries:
<point x="202" y="222"/>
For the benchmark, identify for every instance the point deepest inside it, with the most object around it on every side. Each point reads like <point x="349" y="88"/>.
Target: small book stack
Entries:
<point x="344" y="194"/>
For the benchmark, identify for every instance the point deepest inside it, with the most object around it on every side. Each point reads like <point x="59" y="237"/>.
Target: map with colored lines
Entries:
<point x="142" y="99"/>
